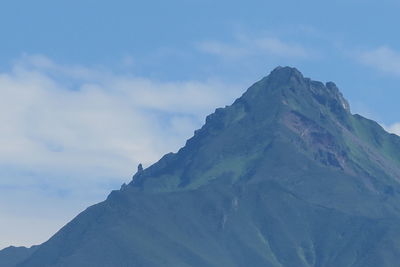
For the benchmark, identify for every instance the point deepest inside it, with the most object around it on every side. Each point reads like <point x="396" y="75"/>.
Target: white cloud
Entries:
<point x="277" y="47"/>
<point x="71" y="132"/>
<point x="244" y="46"/>
<point x="232" y="51"/>
<point x="383" y="58"/>
<point x="394" y="128"/>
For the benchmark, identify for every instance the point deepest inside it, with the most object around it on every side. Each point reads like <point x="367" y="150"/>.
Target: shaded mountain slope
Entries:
<point x="12" y="255"/>
<point x="285" y="176"/>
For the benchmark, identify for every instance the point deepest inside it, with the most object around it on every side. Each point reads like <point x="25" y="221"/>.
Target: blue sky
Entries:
<point x="88" y="89"/>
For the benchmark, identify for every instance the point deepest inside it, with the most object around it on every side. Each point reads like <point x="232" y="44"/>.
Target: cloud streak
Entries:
<point x="244" y="46"/>
<point x="383" y="58"/>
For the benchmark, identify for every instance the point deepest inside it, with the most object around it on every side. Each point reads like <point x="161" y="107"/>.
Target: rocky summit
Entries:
<point x="286" y="176"/>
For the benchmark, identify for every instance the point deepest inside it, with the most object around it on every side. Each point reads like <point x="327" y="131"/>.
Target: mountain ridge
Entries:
<point x="285" y="176"/>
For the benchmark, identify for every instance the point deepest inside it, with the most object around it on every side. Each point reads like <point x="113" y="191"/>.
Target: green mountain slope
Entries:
<point x="285" y="176"/>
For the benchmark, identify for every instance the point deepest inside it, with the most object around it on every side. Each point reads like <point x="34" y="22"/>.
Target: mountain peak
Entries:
<point x="284" y="104"/>
<point x="291" y="78"/>
<point x="286" y="71"/>
<point x="284" y="75"/>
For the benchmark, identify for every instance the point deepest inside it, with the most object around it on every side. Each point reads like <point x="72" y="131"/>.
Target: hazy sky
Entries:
<point x="88" y="89"/>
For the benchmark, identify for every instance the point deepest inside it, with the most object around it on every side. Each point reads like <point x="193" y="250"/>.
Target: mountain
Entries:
<point x="286" y="176"/>
<point x="12" y="255"/>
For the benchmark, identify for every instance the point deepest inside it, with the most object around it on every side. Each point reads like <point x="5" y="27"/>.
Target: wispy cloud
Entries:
<point x="394" y="128"/>
<point x="382" y="58"/>
<point x="244" y="46"/>
<point x="70" y="132"/>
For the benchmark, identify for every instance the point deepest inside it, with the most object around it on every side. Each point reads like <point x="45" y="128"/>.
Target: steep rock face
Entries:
<point x="285" y="176"/>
